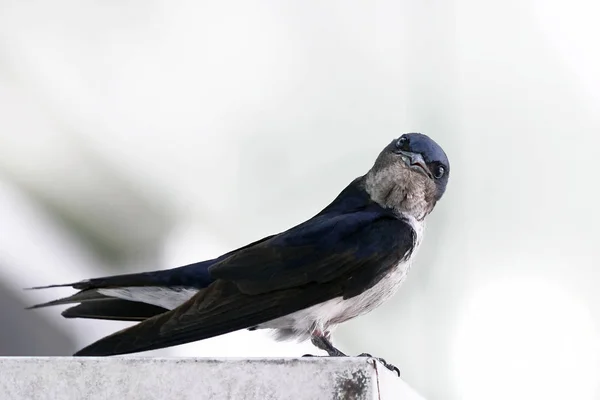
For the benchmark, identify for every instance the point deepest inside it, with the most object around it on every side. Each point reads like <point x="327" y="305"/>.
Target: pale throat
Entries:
<point x="400" y="189"/>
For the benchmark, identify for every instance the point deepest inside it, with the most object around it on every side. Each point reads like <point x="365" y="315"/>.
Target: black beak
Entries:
<point x="415" y="161"/>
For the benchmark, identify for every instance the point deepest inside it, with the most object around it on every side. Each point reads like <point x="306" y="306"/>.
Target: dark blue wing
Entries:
<point x="196" y="275"/>
<point x="325" y="258"/>
<point x="96" y="305"/>
<point x="342" y="251"/>
<point x="359" y="246"/>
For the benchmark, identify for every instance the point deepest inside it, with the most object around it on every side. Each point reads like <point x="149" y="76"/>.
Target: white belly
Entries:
<point x="326" y="315"/>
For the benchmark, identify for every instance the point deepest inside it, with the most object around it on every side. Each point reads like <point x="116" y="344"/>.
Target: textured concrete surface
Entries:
<point x="59" y="378"/>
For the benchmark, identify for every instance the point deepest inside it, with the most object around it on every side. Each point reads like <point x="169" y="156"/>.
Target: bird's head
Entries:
<point x="410" y="175"/>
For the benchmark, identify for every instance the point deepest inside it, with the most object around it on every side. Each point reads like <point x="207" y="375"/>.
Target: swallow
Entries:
<point x="340" y="264"/>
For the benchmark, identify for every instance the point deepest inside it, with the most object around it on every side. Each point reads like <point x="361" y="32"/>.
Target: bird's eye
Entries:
<point x="439" y="172"/>
<point x="401" y="142"/>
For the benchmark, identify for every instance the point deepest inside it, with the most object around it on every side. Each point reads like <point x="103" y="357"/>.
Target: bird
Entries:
<point x="302" y="283"/>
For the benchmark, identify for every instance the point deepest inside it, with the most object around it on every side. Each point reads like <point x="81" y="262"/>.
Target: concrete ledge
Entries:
<point x="61" y="378"/>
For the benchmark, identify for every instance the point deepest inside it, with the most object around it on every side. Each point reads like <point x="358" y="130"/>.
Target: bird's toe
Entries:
<point x="382" y="361"/>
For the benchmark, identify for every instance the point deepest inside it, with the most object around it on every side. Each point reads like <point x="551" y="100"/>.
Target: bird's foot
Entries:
<point x="322" y="342"/>
<point x="382" y="361"/>
<point x="389" y="366"/>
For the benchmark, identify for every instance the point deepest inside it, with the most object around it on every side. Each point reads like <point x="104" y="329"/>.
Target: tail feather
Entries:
<point x="137" y="279"/>
<point x="79" y="297"/>
<point x="54" y="286"/>
<point x="96" y="295"/>
<point x="192" y="275"/>
<point x="221" y="308"/>
<point x="114" y="309"/>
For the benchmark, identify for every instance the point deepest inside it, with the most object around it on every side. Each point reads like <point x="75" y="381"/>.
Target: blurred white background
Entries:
<point x="138" y="135"/>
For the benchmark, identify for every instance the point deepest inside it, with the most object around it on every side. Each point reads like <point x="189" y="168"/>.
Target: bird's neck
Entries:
<point x="408" y="198"/>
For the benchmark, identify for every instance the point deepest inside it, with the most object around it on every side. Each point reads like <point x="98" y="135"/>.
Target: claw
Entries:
<point x="322" y="341"/>
<point x="389" y="366"/>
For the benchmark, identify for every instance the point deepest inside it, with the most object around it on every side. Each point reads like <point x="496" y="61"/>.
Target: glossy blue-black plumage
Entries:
<point x="430" y="150"/>
<point x="352" y="224"/>
<point x="195" y="275"/>
<point x="346" y="249"/>
<point x="351" y="232"/>
<point x="352" y="208"/>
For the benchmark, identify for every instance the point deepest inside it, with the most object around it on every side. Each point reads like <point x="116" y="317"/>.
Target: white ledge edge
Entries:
<point x="91" y="378"/>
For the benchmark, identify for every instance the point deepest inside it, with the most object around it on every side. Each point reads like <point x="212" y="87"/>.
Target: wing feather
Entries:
<point x="219" y="309"/>
<point x="274" y="278"/>
<point x="323" y="250"/>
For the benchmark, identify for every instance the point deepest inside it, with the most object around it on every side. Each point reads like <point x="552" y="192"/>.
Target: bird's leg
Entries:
<point x="322" y="340"/>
